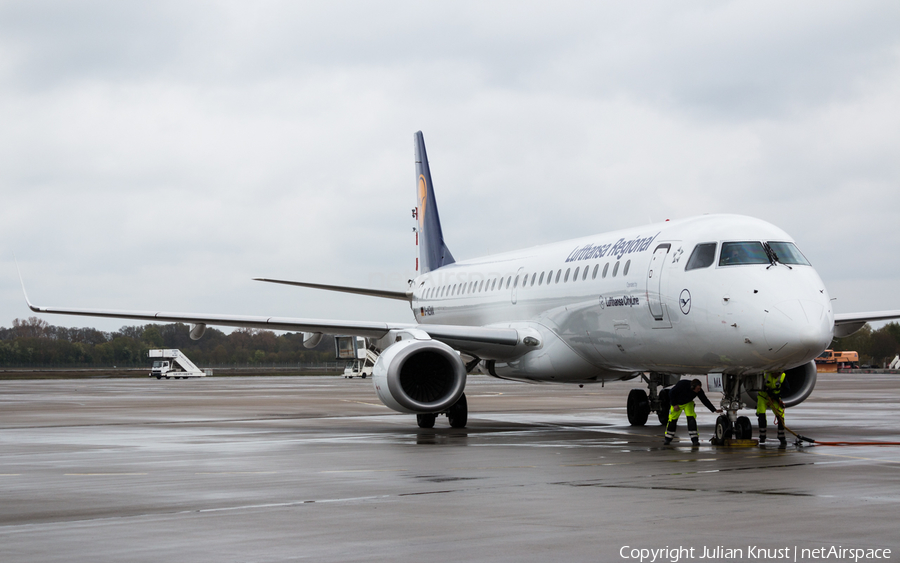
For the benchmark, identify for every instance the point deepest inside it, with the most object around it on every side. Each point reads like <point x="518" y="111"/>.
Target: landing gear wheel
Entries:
<point x="664" y="405"/>
<point x="426" y="420"/>
<point x="638" y="407"/>
<point x="458" y="415"/>
<point x="724" y="429"/>
<point x="743" y="430"/>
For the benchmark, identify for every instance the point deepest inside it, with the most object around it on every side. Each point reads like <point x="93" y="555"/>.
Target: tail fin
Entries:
<point x="433" y="253"/>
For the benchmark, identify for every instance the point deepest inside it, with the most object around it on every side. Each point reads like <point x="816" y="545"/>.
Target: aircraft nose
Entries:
<point x="797" y="329"/>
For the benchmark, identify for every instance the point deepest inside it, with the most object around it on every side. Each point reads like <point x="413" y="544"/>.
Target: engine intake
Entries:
<point x="419" y="376"/>
<point x="802" y="381"/>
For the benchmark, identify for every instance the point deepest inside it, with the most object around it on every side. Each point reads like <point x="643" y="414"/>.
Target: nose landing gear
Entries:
<point x="732" y="429"/>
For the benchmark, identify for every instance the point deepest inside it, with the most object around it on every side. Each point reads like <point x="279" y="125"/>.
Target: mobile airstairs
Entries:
<point x="173" y="363"/>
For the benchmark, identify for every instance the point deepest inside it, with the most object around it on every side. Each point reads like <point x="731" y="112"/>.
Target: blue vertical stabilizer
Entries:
<point x="433" y="253"/>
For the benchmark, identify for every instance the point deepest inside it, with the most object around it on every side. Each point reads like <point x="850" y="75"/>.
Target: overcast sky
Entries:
<point x="159" y="155"/>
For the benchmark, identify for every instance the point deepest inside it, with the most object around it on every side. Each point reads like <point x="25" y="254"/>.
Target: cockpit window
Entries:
<point x="788" y="253"/>
<point x="740" y="253"/>
<point x="703" y="256"/>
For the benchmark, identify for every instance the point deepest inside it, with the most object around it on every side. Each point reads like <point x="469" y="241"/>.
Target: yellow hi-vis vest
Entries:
<point x="773" y="383"/>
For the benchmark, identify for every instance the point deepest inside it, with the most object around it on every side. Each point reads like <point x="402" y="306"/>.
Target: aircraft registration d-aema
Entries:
<point x="727" y="296"/>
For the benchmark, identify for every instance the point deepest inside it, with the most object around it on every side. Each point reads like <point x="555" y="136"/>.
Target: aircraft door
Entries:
<point x="654" y="281"/>
<point x="515" y="288"/>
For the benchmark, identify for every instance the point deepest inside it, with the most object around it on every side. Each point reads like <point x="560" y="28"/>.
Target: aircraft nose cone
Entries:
<point x="796" y="330"/>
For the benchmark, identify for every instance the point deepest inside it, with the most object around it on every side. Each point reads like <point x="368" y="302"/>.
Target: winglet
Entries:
<point x="30" y="306"/>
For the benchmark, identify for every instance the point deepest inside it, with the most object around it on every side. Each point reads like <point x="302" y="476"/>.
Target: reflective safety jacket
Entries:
<point x="775" y="384"/>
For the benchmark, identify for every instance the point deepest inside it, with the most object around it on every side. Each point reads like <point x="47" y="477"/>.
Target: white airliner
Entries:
<point x="722" y="295"/>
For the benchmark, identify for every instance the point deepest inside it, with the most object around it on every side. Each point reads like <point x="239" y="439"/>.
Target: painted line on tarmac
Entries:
<point x="102" y="474"/>
<point x="363" y="403"/>
<point x="361" y="470"/>
<point x="237" y="473"/>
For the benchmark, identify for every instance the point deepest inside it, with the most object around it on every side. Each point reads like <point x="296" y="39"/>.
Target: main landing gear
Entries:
<point x="457" y="415"/>
<point x="640" y="404"/>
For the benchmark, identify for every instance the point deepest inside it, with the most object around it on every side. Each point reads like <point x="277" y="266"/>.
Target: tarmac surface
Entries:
<point x="315" y="468"/>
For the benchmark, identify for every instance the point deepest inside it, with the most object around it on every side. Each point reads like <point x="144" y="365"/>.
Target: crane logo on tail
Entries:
<point x="423" y="197"/>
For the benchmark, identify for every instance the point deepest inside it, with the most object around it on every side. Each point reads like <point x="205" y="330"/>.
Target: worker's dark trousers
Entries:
<point x="761" y="418"/>
<point x="691" y="424"/>
<point x="692" y="428"/>
<point x="670" y="429"/>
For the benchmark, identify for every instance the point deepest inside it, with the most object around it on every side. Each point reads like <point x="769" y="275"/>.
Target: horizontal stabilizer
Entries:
<point x="401" y="295"/>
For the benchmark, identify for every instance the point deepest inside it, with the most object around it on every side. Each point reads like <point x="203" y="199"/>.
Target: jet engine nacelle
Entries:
<point x="419" y="376"/>
<point x="801" y="379"/>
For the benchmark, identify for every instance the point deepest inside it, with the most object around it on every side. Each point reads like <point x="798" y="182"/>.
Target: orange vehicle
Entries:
<point x="831" y="361"/>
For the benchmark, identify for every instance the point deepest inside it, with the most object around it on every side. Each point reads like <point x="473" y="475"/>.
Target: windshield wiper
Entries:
<point x="773" y="257"/>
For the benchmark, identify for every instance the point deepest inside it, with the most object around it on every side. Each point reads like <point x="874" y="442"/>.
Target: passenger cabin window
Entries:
<point x="565" y="279"/>
<point x="575" y="277"/>
<point x="584" y="275"/>
<point x="615" y="269"/>
<point x="788" y="253"/>
<point x="703" y="256"/>
<point x="533" y="277"/>
<point x="558" y="273"/>
<point x="605" y="269"/>
<point x="594" y="275"/>
<point x="541" y="280"/>
<point x="742" y="253"/>
<point x="627" y="265"/>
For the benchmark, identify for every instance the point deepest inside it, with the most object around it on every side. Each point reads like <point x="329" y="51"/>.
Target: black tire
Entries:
<point x="158" y="377"/>
<point x="664" y="405"/>
<point x="426" y="420"/>
<point x="724" y="429"/>
<point x="458" y="415"/>
<point x="363" y="376"/>
<point x="638" y="407"/>
<point x="743" y="430"/>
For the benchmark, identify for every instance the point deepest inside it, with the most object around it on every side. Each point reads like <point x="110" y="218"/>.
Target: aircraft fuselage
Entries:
<point x="609" y="305"/>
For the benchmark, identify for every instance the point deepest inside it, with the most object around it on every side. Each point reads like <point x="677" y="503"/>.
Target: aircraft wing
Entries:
<point x="401" y="295"/>
<point x="487" y="342"/>
<point x="846" y="324"/>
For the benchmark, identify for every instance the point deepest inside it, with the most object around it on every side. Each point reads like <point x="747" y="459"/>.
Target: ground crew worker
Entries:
<point x="682" y="398"/>
<point x="770" y="398"/>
